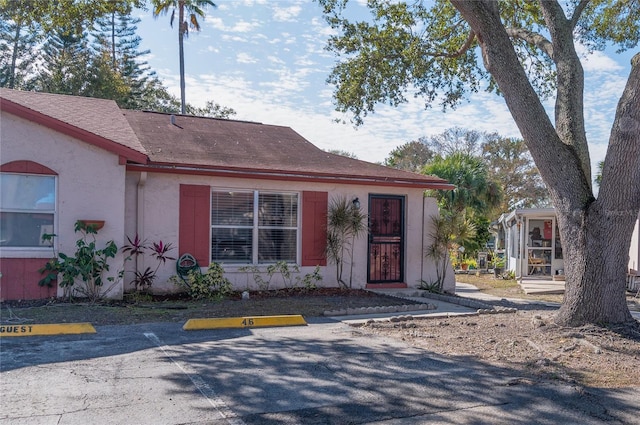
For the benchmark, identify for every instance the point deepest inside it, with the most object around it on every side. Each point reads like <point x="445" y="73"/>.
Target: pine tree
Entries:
<point x="116" y="41"/>
<point x="18" y="54"/>
<point x="66" y="63"/>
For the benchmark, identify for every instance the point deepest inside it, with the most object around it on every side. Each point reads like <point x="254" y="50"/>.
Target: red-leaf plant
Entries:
<point x="158" y="250"/>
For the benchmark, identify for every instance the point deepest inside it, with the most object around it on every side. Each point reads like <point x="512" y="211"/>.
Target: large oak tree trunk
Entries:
<point x="596" y="254"/>
<point x="596" y="233"/>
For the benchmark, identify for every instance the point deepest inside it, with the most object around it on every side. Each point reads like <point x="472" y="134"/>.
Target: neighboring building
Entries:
<point x="532" y="247"/>
<point x="235" y="192"/>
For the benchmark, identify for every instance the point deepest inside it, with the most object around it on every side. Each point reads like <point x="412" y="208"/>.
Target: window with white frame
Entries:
<point x="254" y="227"/>
<point x="27" y="209"/>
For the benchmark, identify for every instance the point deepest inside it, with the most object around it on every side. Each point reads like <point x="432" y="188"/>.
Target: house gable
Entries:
<point x="93" y="121"/>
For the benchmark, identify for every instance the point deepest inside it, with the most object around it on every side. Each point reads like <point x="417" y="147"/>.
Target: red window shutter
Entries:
<point x="314" y="228"/>
<point x="195" y="205"/>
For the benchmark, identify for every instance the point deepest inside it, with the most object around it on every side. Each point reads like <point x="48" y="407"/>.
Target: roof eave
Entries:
<point x="288" y="175"/>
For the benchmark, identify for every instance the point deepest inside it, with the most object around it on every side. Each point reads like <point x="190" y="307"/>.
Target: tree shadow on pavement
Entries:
<point x="302" y="378"/>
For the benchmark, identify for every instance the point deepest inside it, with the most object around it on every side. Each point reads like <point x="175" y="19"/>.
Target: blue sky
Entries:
<point x="266" y="59"/>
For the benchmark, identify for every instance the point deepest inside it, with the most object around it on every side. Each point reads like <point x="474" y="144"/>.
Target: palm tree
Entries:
<point x="345" y="223"/>
<point x="450" y="231"/>
<point x="474" y="188"/>
<point x="194" y="8"/>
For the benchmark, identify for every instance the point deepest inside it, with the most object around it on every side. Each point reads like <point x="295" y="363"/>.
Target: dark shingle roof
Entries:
<point x="205" y="144"/>
<point x="227" y="144"/>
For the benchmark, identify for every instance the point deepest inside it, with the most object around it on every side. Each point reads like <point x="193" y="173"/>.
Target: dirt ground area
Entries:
<point x="142" y="309"/>
<point x="527" y="340"/>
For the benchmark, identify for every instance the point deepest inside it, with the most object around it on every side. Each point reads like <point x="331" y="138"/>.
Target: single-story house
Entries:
<point x="234" y="192"/>
<point x="531" y="243"/>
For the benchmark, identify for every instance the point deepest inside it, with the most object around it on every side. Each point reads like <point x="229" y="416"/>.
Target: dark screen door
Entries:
<point x="386" y="241"/>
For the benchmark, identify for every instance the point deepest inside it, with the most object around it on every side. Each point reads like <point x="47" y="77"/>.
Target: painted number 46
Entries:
<point x="247" y="322"/>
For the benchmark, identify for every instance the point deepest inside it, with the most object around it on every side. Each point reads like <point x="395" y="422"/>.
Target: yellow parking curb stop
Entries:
<point x="47" y="329"/>
<point x="244" y="322"/>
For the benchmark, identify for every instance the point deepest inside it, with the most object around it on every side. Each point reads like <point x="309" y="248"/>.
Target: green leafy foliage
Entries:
<point x="474" y="189"/>
<point x="428" y="48"/>
<point x="343" y="153"/>
<point x="402" y="45"/>
<point x="346" y="222"/>
<point x="19" y="37"/>
<point x="65" y="63"/>
<point x="72" y="13"/>
<point x="449" y="231"/>
<point x="87" y="48"/>
<point x="508" y="163"/>
<point x="289" y="274"/>
<point x="411" y="156"/>
<point x="84" y="272"/>
<point x="211" y="285"/>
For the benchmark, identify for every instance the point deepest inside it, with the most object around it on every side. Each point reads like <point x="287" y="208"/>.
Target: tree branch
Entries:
<point x="578" y="12"/>
<point x="533" y="38"/>
<point x="569" y="107"/>
<point x="558" y="163"/>
<point x="467" y="44"/>
<point x="619" y="186"/>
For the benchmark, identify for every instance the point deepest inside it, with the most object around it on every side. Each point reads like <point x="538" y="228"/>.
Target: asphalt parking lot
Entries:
<point x="324" y="373"/>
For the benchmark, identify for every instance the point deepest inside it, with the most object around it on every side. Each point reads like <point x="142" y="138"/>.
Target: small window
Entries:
<point x="277" y="227"/>
<point x="27" y="209"/>
<point x="232" y="227"/>
<point x="239" y="219"/>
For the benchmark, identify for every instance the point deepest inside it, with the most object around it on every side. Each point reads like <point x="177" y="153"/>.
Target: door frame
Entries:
<point x="402" y="241"/>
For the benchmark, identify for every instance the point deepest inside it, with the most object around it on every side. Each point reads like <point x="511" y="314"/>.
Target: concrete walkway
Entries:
<point x="541" y="286"/>
<point x="440" y="308"/>
<point x="468" y="301"/>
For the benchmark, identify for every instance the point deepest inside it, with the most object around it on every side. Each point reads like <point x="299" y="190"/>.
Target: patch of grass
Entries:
<point x="487" y="281"/>
<point x="504" y="288"/>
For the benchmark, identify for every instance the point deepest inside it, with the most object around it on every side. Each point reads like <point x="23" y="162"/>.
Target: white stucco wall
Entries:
<point x="89" y="186"/>
<point x="160" y="220"/>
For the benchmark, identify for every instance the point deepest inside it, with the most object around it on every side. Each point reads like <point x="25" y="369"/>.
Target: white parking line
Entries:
<point x="204" y="388"/>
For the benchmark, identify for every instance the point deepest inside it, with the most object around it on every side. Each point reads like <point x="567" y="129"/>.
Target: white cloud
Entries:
<point x="240" y="26"/>
<point x="288" y="38"/>
<point x="596" y="61"/>
<point x="320" y="30"/>
<point x="276" y="60"/>
<point x="243" y="57"/>
<point x="286" y="14"/>
<point x="233" y="39"/>
<point x="304" y="61"/>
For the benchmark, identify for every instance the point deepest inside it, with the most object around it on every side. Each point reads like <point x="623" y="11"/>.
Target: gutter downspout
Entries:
<point x="140" y="213"/>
